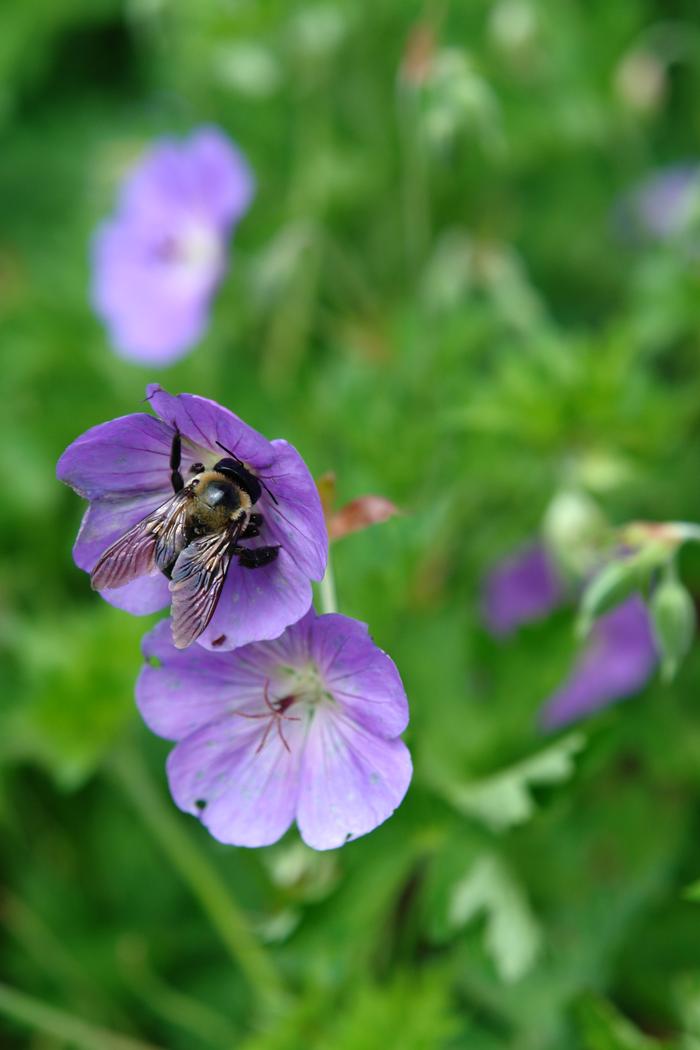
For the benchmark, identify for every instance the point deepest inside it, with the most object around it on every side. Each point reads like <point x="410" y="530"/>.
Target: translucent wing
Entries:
<point x="197" y="579"/>
<point x="153" y="543"/>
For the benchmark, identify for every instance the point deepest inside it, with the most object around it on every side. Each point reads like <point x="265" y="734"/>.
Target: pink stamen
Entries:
<point x="277" y="709"/>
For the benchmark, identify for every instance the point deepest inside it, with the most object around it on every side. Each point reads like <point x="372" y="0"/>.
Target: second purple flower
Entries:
<point x="159" y="259"/>
<point x="306" y="727"/>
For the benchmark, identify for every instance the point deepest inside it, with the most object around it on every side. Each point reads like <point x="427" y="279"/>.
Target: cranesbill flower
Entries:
<point x="665" y="203"/>
<point x="159" y="259"/>
<point x="522" y="587"/>
<point x="618" y="660"/>
<point x="124" y="468"/>
<point x="305" y="727"/>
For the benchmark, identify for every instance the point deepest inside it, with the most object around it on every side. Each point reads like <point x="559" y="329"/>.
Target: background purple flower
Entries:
<point x="123" y="468"/>
<point x="619" y="658"/>
<point x="305" y="727"/>
<point x="157" y="262"/>
<point x="663" y="204"/>
<point x="522" y="587"/>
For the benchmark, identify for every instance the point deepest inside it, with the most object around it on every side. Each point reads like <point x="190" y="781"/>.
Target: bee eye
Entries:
<point x="197" y="468"/>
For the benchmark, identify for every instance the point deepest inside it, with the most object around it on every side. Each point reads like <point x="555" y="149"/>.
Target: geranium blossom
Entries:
<point x="617" y="662"/>
<point x="524" y="586"/>
<point x="123" y="468"/>
<point x="666" y="202"/>
<point x="618" y="659"/>
<point x="302" y="728"/>
<point x="159" y="259"/>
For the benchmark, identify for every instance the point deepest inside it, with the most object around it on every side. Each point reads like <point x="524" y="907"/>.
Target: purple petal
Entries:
<point x="351" y="781"/>
<point x="296" y="521"/>
<point x="257" y="604"/>
<point x="141" y="597"/>
<point x="521" y="588"/>
<point x="190" y="687"/>
<point x="154" y="310"/>
<point x="225" y="181"/>
<point x="250" y="794"/>
<point x="361" y="676"/>
<point x="204" y="175"/>
<point x="617" y="662"/>
<point x="126" y="455"/>
<point x="205" y="423"/>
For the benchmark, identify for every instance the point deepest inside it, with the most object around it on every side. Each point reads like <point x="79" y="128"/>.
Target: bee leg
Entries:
<point x="175" y="459"/>
<point x="253" y="527"/>
<point x="254" y="559"/>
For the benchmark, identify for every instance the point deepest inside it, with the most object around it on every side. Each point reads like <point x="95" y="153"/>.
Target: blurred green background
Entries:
<point x="433" y="296"/>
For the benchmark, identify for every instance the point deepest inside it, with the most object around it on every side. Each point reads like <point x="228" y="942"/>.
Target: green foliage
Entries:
<point x="512" y="935"/>
<point x="437" y="296"/>
<point x="506" y="798"/>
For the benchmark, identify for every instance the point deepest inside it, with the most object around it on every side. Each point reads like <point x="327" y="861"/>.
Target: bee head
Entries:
<point x="236" y="472"/>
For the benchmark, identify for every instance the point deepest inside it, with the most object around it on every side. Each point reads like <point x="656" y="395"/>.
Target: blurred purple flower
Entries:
<point x="159" y="259"/>
<point x="664" y="203"/>
<point x="123" y="468"/>
<point x="619" y="658"/>
<point x="522" y="587"/>
<point x="305" y="727"/>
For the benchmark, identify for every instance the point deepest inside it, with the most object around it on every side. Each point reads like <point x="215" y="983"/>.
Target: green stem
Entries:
<point x="178" y="1008"/>
<point x="62" y="1025"/>
<point x="50" y="953"/>
<point x="205" y="882"/>
<point x="327" y="598"/>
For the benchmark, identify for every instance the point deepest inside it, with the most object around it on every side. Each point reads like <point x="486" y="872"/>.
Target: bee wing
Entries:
<point x="198" y="577"/>
<point x="152" y="543"/>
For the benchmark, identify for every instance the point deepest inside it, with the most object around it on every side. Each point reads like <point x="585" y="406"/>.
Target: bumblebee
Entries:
<point x="192" y="538"/>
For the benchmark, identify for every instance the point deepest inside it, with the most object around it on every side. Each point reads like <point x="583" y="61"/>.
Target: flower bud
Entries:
<point x="574" y="528"/>
<point x="673" y="615"/>
<point x="617" y="581"/>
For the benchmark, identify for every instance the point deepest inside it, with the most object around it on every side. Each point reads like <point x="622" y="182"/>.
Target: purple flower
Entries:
<point x="619" y="658"/>
<point x="663" y="205"/>
<point x="522" y="587"/>
<point x="123" y="468"/>
<point x="302" y="728"/>
<point x="158" y="261"/>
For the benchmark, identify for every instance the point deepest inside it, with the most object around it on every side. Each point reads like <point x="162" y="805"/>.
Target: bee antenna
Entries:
<point x="238" y="460"/>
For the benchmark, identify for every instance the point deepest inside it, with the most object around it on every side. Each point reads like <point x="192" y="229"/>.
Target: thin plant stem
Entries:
<point x="415" y="196"/>
<point x="178" y="1008"/>
<point x="327" y="598"/>
<point x="48" y="951"/>
<point x="64" y="1026"/>
<point x="225" y="916"/>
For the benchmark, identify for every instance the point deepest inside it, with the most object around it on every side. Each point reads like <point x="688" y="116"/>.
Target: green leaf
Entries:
<point x="617" y="581"/>
<point x="603" y="1027"/>
<point x="505" y="799"/>
<point x="512" y="934"/>
<point x="80" y="676"/>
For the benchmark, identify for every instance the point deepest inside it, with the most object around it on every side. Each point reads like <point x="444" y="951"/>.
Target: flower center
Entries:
<point x="306" y="685"/>
<point x="298" y="692"/>
<point x="193" y="255"/>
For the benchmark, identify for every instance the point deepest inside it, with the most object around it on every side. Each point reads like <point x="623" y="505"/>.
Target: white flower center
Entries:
<point x="305" y="685"/>
<point x="296" y="695"/>
<point x="194" y="255"/>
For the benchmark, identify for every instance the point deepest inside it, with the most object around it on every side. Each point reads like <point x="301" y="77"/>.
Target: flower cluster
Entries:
<point x="620" y="655"/>
<point x="277" y="713"/>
